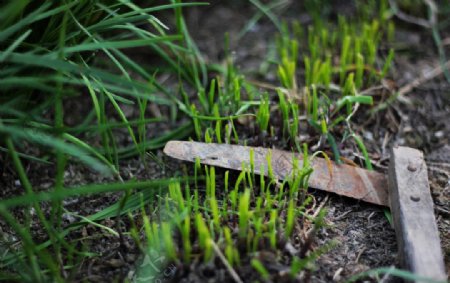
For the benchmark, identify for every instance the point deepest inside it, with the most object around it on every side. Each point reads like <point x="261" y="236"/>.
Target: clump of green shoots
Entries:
<point x="216" y="109"/>
<point x="241" y="220"/>
<point x="263" y="114"/>
<point x="288" y="52"/>
<point x="331" y="92"/>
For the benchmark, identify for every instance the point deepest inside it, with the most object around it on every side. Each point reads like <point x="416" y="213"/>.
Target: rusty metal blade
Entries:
<point x="354" y="182"/>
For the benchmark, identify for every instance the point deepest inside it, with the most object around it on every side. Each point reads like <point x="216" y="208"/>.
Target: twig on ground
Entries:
<point x="322" y="204"/>
<point x="439" y="170"/>
<point x="360" y="254"/>
<point x="372" y="90"/>
<point x="262" y="84"/>
<point x="446" y="41"/>
<point x="431" y="23"/>
<point x="230" y="269"/>
<point x="442" y="210"/>
<point x="387" y="275"/>
<point x="432" y="19"/>
<point x="422" y="79"/>
<point x="310" y="234"/>
<point x="343" y="215"/>
<point x="408" y="18"/>
<point x="360" y="156"/>
<point x="337" y="274"/>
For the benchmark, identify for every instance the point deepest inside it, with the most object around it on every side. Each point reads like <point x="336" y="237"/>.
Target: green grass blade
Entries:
<point x="64" y="193"/>
<point x="46" y="140"/>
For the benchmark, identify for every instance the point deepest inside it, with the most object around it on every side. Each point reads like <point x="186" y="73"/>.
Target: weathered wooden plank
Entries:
<point x="350" y="181"/>
<point x="412" y="210"/>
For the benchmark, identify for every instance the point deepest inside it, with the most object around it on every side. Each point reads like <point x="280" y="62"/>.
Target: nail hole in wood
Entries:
<point x="412" y="167"/>
<point x="415" y="198"/>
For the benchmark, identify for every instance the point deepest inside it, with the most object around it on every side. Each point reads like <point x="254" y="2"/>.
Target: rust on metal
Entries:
<point x="346" y="180"/>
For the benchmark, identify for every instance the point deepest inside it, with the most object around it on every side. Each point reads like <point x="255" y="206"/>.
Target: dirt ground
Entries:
<point x="366" y="239"/>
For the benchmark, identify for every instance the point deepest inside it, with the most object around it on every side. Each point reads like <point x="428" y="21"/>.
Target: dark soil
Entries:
<point x="366" y="238"/>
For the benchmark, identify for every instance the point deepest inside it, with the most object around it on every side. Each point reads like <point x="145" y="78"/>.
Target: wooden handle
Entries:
<point x="412" y="211"/>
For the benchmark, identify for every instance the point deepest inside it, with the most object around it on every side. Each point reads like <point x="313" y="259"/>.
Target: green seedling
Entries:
<point x="187" y="246"/>
<point x="273" y="229"/>
<point x="269" y="166"/>
<point x="263" y="115"/>
<point x="344" y="57"/>
<point x="244" y="213"/>
<point x="204" y="237"/>
<point x="359" y="71"/>
<point x="218" y="128"/>
<point x="314" y="105"/>
<point x="294" y="126"/>
<point x="388" y="63"/>
<point x="363" y="149"/>
<point x="169" y="246"/>
<point x="288" y="50"/>
<point x="259" y="267"/>
<point x="349" y="91"/>
<point x="215" y="212"/>
<point x="290" y="219"/>
<point x="231" y="252"/>
<point x="284" y="109"/>
<point x="196" y="122"/>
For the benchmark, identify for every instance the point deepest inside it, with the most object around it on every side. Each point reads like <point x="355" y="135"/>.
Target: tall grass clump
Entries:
<point x="59" y="54"/>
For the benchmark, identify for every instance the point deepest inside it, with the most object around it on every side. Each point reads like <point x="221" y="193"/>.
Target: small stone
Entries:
<point x="439" y="134"/>
<point x="116" y="263"/>
<point x="368" y="136"/>
<point x="69" y="218"/>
